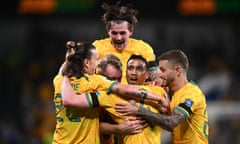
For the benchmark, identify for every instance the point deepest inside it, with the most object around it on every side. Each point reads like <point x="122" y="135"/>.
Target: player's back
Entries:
<point x="78" y="125"/>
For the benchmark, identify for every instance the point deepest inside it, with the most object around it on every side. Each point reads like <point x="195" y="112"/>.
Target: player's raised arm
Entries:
<point x="80" y="100"/>
<point x="69" y="97"/>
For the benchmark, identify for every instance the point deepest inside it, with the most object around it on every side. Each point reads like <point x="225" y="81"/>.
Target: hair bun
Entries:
<point x="70" y="44"/>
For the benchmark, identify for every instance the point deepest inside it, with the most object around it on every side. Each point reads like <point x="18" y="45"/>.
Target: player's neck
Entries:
<point x="179" y="83"/>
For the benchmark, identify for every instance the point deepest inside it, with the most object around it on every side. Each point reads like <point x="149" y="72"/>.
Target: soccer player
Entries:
<point x="188" y="120"/>
<point x="120" y="22"/>
<point x="136" y="75"/>
<point x="110" y="66"/>
<point x="81" y="125"/>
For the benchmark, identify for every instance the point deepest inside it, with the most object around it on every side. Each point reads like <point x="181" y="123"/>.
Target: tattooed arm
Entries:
<point x="168" y="122"/>
<point x="136" y="92"/>
<point x="69" y="97"/>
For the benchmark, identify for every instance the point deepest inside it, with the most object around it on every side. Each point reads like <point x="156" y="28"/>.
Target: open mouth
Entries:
<point x="118" y="43"/>
<point x="133" y="80"/>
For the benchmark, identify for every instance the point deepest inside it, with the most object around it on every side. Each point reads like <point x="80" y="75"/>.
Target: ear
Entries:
<point x="85" y="64"/>
<point x="178" y="70"/>
<point x="131" y="30"/>
<point x="147" y="75"/>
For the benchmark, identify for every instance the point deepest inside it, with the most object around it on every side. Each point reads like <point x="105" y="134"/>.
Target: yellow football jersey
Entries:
<point x="137" y="47"/>
<point x="151" y="134"/>
<point x="78" y="125"/>
<point x="194" y="130"/>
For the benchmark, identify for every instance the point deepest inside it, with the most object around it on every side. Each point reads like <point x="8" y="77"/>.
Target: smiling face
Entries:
<point x="167" y="72"/>
<point x="136" y="72"/>
<point x="119" y="34"/>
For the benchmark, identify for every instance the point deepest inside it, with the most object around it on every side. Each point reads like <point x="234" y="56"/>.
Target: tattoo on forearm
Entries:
<point x="168" y="122"/>
<point x="141" y="93"/>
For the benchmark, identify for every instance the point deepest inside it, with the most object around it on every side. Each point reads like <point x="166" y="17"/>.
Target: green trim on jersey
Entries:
<point x="111" y="86"/>
<point x="183" y="111"/>
<point x="89" y="100"/>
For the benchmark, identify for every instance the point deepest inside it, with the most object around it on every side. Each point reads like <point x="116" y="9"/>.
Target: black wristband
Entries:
<point x="94" y="99"/>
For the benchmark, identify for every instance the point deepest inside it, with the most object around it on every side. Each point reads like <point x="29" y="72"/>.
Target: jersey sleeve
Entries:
<point x="102" y="46"/>
<point x="185" y="107"/>
<point x="101" y="99"/>
<point x="191" y="101"/>
<point x="147" y="51"/>
<point x="101" y="83"/>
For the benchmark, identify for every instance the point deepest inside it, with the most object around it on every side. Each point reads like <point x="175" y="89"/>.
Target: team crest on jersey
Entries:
<point x="188" y="103"/>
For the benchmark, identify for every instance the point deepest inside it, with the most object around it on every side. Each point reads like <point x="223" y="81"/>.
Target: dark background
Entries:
<point x="32" y="48"/>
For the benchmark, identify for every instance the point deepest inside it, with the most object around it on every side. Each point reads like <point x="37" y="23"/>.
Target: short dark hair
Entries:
<point x="140" y="57"/>
<point x="176" y="57"/>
